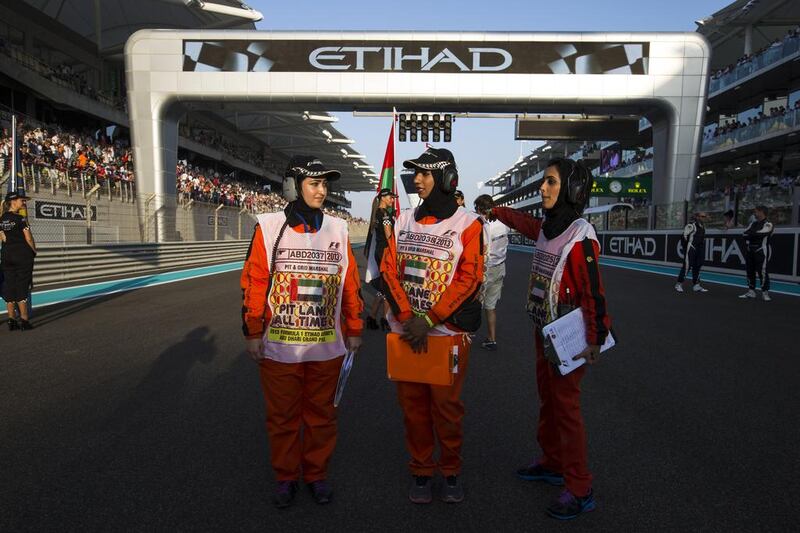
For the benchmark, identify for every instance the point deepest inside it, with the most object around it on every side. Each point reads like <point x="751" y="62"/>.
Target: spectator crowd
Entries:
<point x="95" y="156"/>
<point x="733" y="125"/>
<point x="791" y="37"/>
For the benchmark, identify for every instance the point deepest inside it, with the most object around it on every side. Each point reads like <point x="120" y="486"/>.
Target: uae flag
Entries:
<point x="307" y="290"/>
<point x="387" y="180"/>
<point x="414" y="271"/>
<point x="538" y="289"/>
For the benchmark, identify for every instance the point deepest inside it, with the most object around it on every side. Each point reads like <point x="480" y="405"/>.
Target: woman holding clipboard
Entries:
<point x="432" y="272"/>
<point x="564" y="275"/>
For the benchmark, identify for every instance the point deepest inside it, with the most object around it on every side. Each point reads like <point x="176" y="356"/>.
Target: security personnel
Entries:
<point x="758" y="252"/>
<point x="381" y="229"/>
<point x="564" y="274"/>
<point x="18" y="253"/>
<point x="445" y="280"/>
<point x="301" y="313"/>
<point x="694" y="251"/>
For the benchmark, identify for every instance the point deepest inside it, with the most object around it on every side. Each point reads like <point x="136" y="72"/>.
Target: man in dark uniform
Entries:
<point x="758" y="252"/>
<point x="17" y="260"/>
<point x="381" y="229"/>
<point x="694" y="251"/>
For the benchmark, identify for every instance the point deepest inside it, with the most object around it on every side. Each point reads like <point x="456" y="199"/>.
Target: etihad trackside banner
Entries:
<point x="533" y="57"/>
<point x="722" y="249"/>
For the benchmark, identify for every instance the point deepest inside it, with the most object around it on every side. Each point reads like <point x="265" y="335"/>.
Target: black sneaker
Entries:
<point x="536" y="472"/>
<point x="284" y="494"/>
<point x="489" y="345"/>
<point x="24" y="325"/>
<point x="386" y="327"/>
<point x="567" y="506"/>
<point x="453" y="490"/>
<point x="12" y="324"/>
<point x="421" y="490"/>
<point x="321" y="491"/>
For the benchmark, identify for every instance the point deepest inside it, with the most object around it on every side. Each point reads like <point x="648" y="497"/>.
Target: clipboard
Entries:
<point x="344" y="373"/>
<point x="436" y="366"/>
<point x="565" y="337"/>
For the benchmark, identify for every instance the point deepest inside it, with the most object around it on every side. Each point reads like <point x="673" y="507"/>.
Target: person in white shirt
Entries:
<point x="495" y="235"/>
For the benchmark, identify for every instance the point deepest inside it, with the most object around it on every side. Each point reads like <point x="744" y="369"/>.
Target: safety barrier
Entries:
<point x="70" y="264"/>
<point x="724" y="250"/>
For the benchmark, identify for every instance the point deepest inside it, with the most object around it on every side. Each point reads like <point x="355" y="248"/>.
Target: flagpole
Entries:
<point x="13" y="182"/>
<point x="394" y="168"/>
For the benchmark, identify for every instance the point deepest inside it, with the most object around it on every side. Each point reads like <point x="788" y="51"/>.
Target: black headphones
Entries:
<point x="578" y="184"/>
<point x="449" y="181"/>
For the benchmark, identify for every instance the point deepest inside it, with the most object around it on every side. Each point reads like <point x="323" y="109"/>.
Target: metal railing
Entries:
<point x="767" y="126"/>
<point x="770" y="56"/>
<point x="782" y="202"/>
<point x="69" y="264"/>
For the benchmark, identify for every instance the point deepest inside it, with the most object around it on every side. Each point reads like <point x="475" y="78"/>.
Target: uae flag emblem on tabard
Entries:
<point x="414" y="271"/>
<point x="307" y="290"/>
<point x="539" y="288"/>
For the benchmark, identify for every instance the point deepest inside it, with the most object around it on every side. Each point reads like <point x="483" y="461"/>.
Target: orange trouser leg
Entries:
<point x="448" y="416"/>
<point x="415" y="400"/>
<point x="429" y="410"/>
<point x="282" y="384"/>
<point x="562" y="434"/>
<point x="319" y="417"/>
<point x="300" y="394"/>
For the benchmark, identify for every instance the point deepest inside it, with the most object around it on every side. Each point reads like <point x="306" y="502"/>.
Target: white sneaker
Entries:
<point x="699" y="288"/>
<point x="679" y="287"/>
<point x="765" y="296"/>
<point x="749" y="294"/>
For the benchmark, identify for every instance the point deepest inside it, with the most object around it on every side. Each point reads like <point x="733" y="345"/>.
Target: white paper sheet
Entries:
<point x="568" y="336"/>
<point x="344" y="373"/>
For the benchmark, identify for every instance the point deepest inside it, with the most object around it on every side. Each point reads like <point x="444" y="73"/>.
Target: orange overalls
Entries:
<point x="430" y="410"/>
<point x="297" y="394"/>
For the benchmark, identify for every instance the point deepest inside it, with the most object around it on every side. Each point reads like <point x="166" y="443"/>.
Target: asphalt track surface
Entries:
<point x="140" y="411"/>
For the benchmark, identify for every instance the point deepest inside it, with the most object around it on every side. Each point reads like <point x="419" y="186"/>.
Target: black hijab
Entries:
<point x="562" y="214"/>
<point x="438" y="204"/>
<point x="299" y="212"/>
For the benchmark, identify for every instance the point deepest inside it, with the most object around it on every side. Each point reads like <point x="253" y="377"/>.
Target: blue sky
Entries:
<point x="482" y="147"/>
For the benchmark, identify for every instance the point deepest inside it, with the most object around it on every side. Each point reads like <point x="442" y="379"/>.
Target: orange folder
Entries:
<point x="435" y="366"/>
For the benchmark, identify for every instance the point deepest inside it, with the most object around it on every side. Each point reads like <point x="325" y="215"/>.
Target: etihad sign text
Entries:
<point x="397" y="60"/>
<point x="640" y="246"/>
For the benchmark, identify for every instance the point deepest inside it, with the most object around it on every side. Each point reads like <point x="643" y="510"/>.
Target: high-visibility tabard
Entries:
<point x="306" y="294"/>
<point x="427" y="255"/>
<point x="549" y="259"/>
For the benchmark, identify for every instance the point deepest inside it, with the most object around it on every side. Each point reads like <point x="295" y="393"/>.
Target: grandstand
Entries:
<point x="64" y="80"/>
<point x="750" y="153"/>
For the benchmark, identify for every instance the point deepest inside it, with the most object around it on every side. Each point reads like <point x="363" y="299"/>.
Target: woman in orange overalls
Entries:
<point x="301" y="313"/>
<point x="448" y="275"/>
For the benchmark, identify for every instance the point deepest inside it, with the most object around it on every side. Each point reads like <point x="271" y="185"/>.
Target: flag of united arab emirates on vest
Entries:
<point x="539" y="287"/>
<point x="307" y="290"/>
<point x="414" y="271"/>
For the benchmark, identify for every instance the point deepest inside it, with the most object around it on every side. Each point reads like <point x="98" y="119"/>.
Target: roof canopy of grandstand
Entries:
<point x="757" y="23"/>
<point x="118" y="19"/>
<point x="96" y="33"/>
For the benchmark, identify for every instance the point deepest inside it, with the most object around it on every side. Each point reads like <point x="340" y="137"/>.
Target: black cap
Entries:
<point x="387" y="192"/>
<point x="459" y="193"/>
<point x="432" y="159"/>
<point x="17" y="195"/>
<point x="308" y="166"/>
